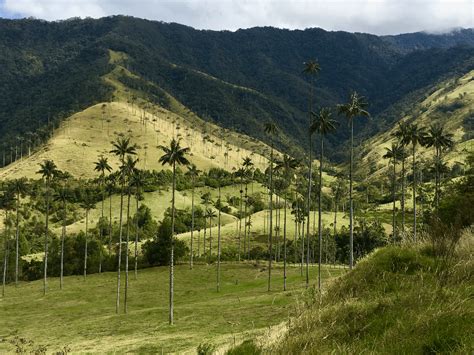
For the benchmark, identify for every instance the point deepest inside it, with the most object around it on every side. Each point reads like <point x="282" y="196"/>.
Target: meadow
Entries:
<point x="82" y="316"/>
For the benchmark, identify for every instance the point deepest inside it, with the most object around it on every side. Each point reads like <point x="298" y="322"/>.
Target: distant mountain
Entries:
<point x="422" y="40"/>
<point x="238" y="80"/>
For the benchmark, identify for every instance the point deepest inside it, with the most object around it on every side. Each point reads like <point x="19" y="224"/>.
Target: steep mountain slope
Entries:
<point x="450" y="104"/>
<point x="236" y="79"/>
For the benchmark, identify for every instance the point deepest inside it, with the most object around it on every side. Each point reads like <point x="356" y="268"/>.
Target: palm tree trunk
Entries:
<point x="17" y="238"/>
<point x="210" y="238"/>
<point x="394" y="181"/>
<point x="5" y="256"/>
<point x="351" y="206"/>
<point x="171" y="302"/>
<point x="414" y="193"/>
<point x="136" y="238"/>
<point x="240" y="217"/>
<point x="270" y="223"/>
<point x="110" y="224"/>
<point x="63" y="235"/>
<point x="85" y="248"/>
<point x="192" y="228"/>
<point x="310" y="173"/>
<point x="403" y="195"/>
<point x="320" y="222"/>
<point x="284" y="246"/>
<point x="219" y="242"/>
<point x="100" y="227"/>
<point x="302" y="244"/>
<point x="247" y="230"/>
<point x="45" y="280"/>
<point x="125" y="299"/>
<point x="119" y="254"/>
<point x="335" y="217"/>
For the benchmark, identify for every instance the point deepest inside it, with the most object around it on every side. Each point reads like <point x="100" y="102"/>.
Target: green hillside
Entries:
<point x="241" y="82"/>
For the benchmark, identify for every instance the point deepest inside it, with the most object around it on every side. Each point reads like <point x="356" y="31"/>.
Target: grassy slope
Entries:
<point x="86" y="135"/>
<point x="391" y="303"/>
<point x="445" y="94"/>
<point x="83" y="317"/>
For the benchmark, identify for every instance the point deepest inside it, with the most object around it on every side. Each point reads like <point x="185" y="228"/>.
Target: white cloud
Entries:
<point x="373" y="16"/>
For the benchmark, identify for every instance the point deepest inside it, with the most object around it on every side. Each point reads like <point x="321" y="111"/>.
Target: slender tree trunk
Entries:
<point x="119" y="254"/>
<point x="85" y="248"/>
<point x="302" y="244"/>
<point x="63" y="236"/>
<point x="219" y="243"/>
<point x="270" y="223"/>
<point x="210" y="238"/>
<point x="284" y="246"/>
<point x="320" y="222"/>
<point x="171" y="302"/>
<point x="335" y="216"/>
<point x="125" y="299"/>
<point x="414" y="193"/>
<point x="136" y="237"/>
<point x="247" y="230"/>
<point x="351" y="202"/>
<point x="110" y="224"/>
<point x="17" y="238"/>
<point x="5" y="255"/>
<point x="240" y="217"/>
<point x="394" y="181"/>
<point x="192" y="228"/>
<point x="310" y="182"/>
<point x="403" y="194"/>
<point x="45" y="280"/>
<point x="100" y="226"/>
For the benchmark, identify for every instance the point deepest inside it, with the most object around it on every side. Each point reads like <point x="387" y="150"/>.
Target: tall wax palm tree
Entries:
<point x="101" y="166"/>
<point x="271" y="130"/>
<point x="393" y="154"/>
<point x="287" y="166"/>
<point x="128" y="171"/>
<point x="416" y="135"/>
<point x="48" y="171"/>
<point x="20" y="188"/>
<point x="323" y="124"/>
<point x="439" y="139"/>
<point x="403" y="135"/>
<point x="311" y="68"/>
<point x="174" y="155"/>
<point x="87" y="204"/>
<point x="193" y="173"/>
<point x="121" y="148"/>
<point x="356" y="107"/>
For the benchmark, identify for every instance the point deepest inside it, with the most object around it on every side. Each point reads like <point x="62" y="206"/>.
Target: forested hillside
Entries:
<point x="236" y="79"/>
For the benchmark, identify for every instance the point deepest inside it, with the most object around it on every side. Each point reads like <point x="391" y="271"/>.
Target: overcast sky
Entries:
<point x="373" y="16"/>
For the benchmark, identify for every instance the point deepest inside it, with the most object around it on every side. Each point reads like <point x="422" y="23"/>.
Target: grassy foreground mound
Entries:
<point x="398" y="300"/>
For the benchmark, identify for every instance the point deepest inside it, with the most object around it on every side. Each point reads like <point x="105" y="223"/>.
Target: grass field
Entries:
<point x="82" y="316"/>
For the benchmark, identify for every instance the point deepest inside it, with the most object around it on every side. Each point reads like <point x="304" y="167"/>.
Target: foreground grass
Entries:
<point x="393" y="302"/>
<point x="82" y="316"/>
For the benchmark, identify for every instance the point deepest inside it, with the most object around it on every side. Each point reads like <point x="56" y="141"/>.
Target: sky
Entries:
<point x="372" y="16"/>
